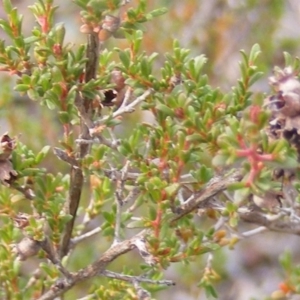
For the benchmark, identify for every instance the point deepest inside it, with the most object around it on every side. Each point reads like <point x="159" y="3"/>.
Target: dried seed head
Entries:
<point x="286" y="102"/>
<point x="111" y="23"/>
<point x="270" y="200"/>
<point x="7" y="173"/>
<point x="21" y="220"/>
<point x="7" y="145"/>
<point x="281" y="76"/>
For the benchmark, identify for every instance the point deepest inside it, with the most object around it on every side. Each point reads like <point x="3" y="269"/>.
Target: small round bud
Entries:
<point x="85" y="28"/>
<point x="104" y="34"/>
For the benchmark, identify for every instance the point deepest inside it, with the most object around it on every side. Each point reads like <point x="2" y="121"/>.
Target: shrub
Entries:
<point x="138" y="185"/>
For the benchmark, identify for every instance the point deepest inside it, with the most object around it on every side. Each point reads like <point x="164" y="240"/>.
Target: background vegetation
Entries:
<point x="181" y="139"/>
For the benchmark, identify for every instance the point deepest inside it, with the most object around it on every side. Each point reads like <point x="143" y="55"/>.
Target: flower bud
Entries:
<point x="85" y="28"/>
<point x="104" y="34"/>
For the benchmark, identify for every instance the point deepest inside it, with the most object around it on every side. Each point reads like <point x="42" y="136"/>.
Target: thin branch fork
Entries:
<point x="125" y="109"/>
<point x="64" y="284"/>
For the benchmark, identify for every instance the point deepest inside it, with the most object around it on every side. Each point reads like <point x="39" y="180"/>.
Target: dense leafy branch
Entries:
<point x="226" y="158"/>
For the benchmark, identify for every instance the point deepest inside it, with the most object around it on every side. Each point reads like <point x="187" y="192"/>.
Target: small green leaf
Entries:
<point x="64" y="117"/>
<point x="240" y="195"/>
<point x="50" y="104"/>
<point x="109" y="217"/>
<point x="255" y="77"/>
<point x="7" y="6"/>
<point x="220" y="159"/>
<point x="22" y="88"/>
<point x="210" y="291"/>
<point x="136" y="224"/>
<point x="172" y="189"/>
<point x="255" y="51"/>
<point x="165" y="109"/>
<point x="65" y="218"/>
<point x="286" y="261"/>
<point x="42" y="154"/>
<point x="158" y="12"/>
<point x="125" y="58"/>
<point x="33" y="94"/>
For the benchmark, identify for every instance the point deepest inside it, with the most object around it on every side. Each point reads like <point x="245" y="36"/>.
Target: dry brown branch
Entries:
<point x="76" y="176"/>
<point x="64" y="284"/>
<point x="279" y="225"/>
<point x="130" y="278"/>
<point x="212" y="188"/>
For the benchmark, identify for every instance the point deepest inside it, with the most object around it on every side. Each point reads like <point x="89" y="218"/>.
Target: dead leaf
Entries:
<point x="7" y="145"/>
<point x="7" y="173"/>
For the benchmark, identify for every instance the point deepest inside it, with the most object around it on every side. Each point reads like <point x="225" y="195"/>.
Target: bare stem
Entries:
<point x="117" y="222"/>
<point x="64" y="284"/>
<point x="76" y="174"/>
<point x="212" y="188"/>
<point x="130" y="278"/>
<point x="86" y="235"/>
<point x="254" y="231"/>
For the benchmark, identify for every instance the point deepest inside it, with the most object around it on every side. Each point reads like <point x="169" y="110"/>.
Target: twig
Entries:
<point x="130" y="278"/>
<point x="220" y="223"/>
<point x="180" y="196"/>
<point x="121" y="182"/>
<point x="127" y="96"/>
<point x="33" y="279"/>
<point x="212" y="188"/>
<point x="99" y="139"/>
<point x="141" y="245"/>
<point x="125" y="109"/>
<point x="210" y="258"/>
<point x="272" y="224"/>
<point x="142" y="294"/>
<point x="26" y="191"/>
<point x="47" y="246"/>
<point x="132" y="195"/>
<point x="64" y="284"/>
<point x="86" y="235"/>
<point x="116" y="175"/>
<point x="76" y="175"/>
<point x="86" y="220"/>
<point x="290" y="211"/>
<point x="119" y="201"/>
<point x="87" y="215"/>
<point x="254" y="231"/>
<point x="87" y="142"/>
<point x="113" y="137"/>
<point x="117" y="222"/>
<point x="62" y="155"/>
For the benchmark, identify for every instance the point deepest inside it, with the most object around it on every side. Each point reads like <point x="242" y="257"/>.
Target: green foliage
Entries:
<point x="127" y="179"/>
